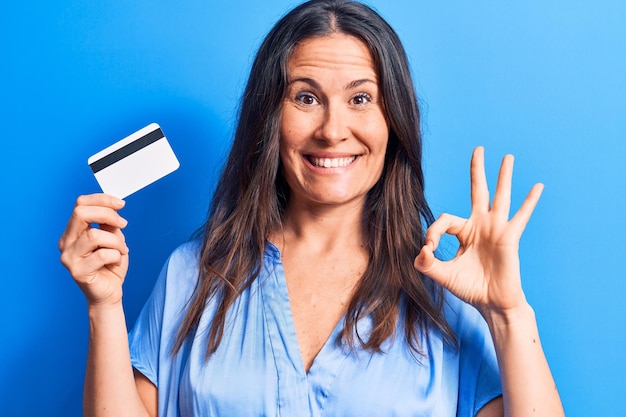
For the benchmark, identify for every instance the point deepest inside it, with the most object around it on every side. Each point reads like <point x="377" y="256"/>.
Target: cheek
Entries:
<point x="289" y="157"/>
<point x="289" y="128"/>
<point x="288" y="143"/>
<point x="286" y="135"/>
<point x="376" y="128"/>
<point x="379" y="139"/>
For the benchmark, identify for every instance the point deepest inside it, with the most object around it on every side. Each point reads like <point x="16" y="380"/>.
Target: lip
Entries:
<point x="332" y="162"/>
<point x="330" y="155"/>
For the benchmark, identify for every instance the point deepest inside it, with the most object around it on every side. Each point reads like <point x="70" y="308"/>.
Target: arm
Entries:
<point x="97" y="259"/>
<point x="485" y="273"/>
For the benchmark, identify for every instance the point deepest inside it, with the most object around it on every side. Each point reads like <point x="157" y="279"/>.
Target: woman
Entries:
<point x="305" y="295"/>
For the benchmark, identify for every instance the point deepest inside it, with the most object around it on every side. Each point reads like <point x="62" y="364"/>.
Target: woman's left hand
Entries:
<point x="485" y="271"/>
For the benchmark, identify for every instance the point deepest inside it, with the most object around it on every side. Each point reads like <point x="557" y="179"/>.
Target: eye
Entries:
<point x="361" y="99"/>
<point x="306" y="99"/>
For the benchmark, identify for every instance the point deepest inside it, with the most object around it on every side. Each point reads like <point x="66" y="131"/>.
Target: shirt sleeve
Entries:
<point x="153" y="336"/>
<point x="145" y="337"/>
<point x="479" y="376"/>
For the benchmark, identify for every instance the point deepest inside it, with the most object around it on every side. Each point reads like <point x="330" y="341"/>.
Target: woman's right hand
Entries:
<point x="97" y="258"/>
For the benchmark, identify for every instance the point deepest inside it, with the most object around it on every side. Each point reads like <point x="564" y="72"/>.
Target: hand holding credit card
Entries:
<point x="134" y="162"/>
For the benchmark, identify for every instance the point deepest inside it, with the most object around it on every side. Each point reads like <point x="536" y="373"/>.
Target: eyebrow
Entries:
<point x="349" y="86"/>
<point x="358" y="83"/>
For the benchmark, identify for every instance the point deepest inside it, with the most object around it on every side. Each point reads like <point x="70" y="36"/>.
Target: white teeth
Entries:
<point x="332" y="162"/>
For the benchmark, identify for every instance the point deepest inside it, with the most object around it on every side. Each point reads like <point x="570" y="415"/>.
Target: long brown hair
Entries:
<point x="251" y="195"/>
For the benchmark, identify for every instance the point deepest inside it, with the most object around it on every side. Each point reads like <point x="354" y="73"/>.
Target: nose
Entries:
<point x="334" y="126"/>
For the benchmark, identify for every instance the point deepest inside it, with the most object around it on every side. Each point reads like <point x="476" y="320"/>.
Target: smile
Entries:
<point x="331" y="162"/>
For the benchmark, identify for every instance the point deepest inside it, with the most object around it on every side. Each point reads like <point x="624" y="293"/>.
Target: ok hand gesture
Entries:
<point x="485" y="271"/>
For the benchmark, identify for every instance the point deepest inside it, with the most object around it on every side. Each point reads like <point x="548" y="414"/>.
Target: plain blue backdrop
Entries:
<point x="543" y="80"/>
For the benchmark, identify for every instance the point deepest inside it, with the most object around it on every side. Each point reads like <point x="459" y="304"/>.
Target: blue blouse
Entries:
<point x="258" y="371"/>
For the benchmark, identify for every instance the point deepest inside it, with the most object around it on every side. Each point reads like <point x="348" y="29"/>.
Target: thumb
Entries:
<point x="426" y="263"/>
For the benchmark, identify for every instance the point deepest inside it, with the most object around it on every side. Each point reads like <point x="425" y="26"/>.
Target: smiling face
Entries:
<point x="334" y="131"/>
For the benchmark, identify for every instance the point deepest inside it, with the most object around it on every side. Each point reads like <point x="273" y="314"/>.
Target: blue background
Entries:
<point x="543" y="80"/>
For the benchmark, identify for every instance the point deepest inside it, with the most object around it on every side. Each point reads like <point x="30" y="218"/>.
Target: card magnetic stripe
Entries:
<point x="126" y="150"/>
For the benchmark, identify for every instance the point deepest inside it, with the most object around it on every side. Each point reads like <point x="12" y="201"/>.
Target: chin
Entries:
<point x="339" y="199"/>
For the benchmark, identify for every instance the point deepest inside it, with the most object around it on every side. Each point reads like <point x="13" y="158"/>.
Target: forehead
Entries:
<point x="335" y="52"/>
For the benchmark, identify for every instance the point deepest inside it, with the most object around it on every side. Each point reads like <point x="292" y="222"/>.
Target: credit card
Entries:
<point x="134" y="162"/>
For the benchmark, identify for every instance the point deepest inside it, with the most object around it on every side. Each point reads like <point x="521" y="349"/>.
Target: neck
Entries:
<point x="322" y="229"/>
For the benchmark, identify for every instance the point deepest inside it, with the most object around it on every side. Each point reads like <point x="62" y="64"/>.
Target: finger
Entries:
<point x="446" y="223"/>
<point x="86" y="269"/>
<point x="95" y="208"/>
<point x="424" y="260"/>
<point x="478" y="179"/>
<point x="85" y="213"/>
<point x="521" y="218"/>
<point x="502" y="199"/>
<point x="120" y="235"/>
<point x="86" y="246"/>
<point x="95" y="238"/>
<point x="100" y="199"/>
<point x="82" y="219"/>
<point x="427" y="264"/>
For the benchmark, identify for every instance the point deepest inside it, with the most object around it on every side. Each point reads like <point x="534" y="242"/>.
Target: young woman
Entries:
<point x="314" y="289"/>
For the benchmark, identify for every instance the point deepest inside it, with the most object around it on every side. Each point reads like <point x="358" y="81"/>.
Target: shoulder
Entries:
<point x="180" y="272"/>
<point x="463" y="318"/>
<point x="186" y="255"/>
<point x="184" y="260"/>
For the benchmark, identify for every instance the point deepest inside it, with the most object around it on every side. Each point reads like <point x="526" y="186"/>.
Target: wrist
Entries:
<point x="97" y="308"/>
<point x="106" y="318"/>
<point x="503" y="318"/>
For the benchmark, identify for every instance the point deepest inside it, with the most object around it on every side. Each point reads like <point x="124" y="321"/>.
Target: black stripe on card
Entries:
<point x="126" y="150"/>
